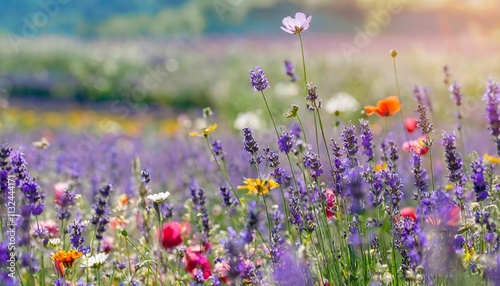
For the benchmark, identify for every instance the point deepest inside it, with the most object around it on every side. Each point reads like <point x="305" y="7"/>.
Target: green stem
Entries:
<point x="303" y="130"/>
<point x="224" y="174"/>
<point x="303" y="60"/>
<point x="399" y="98"/>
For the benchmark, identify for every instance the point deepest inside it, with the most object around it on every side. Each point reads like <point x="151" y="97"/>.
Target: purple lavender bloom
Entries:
<point x="276" y="238"/>
<point x="279" y="175"/>
<point x="481" y="186"/>
<point x="274" y="159"/>
<point x="338" y="169"/>
<point x="312" y="99"/>
<point x="258" y="79"/>
<point x="145" y="176"/>
<point x="198" y="278"/>
<point x="350" y="143"/>
<point x="285" y="142"/>
<point x="35" y="196"/>
<point x="492" y="98"/>
<point x="296" y="130"/>
<point x="290" y="71"/>
<point x="252" y="222"/>
<point x="459" y="243"/>
<point x="217" y="148"/>
<point x="203" y="215"/>
<point x="394" y="190"/>
<point x="420" y="175"/>
<point x="453" y="161"/>
<point x="422" y="96"/>
<point x="313" y="163"/>
<point x="75" y="231"/>
<point x="366" y="139"/>
<point x="102" y="209"/>
<point x="294" y="207"/>
<point x="227" y="197"/>
<point x="455" y="93"/>
<point x="249" y="143"/>
<point x="408" y="242"/>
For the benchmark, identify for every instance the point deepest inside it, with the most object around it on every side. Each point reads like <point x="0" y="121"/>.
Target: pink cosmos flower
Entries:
<point x="296" y="25"/>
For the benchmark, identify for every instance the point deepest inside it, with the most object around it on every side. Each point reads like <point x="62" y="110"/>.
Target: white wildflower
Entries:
<point x="158" y="198"/>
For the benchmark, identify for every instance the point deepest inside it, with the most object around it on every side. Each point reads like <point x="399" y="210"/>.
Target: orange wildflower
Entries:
<point x="65" y="259"/>
<point x="385" y="107"/>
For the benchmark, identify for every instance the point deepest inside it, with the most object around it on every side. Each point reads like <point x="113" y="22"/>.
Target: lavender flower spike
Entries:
<point x="290" y="71"/>
<point x="258" y="79"/>
<point x="455" y="93"/>
<point x="492" y="98"/>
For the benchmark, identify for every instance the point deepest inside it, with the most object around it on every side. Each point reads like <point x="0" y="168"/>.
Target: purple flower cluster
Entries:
<point x="492" y="98"/>
<point x="455" y="93"/>
<point x="101" y="210"/>
<point x="258" y="79"/>
<point x="285" y="142"/>
<point x="477" y="177"/>
<point x="422" y="96"/>
<point x="313" y="164"/>
<point x="366" y="139"/>
<point x="290" y="71"/>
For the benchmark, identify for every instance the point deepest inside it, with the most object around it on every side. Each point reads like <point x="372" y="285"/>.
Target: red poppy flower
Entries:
<point x="411" y="124"/>
<point x="171" y="235"/>
<point x="194" y="260"/>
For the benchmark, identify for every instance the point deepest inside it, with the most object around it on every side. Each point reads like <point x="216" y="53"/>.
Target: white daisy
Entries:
<point x="158" y="198"/>
<point x="95" y="261"/>
<point x="53" y="242"/>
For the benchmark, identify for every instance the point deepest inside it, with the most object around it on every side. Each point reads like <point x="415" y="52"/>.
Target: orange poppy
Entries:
<point x="385" y="107"/>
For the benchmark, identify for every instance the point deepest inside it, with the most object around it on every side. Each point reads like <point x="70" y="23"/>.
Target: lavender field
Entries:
<point x="288" y="165"/>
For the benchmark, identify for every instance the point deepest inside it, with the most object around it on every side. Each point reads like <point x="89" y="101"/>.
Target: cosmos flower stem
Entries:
<point x="303" y="60"/>
<point x="399" y="98"/>
<point x="224" y="174"/>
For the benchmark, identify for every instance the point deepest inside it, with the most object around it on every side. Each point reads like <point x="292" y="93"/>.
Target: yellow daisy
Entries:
<point x="491" y="159"/>
<point x="203" y="131"/>
<point x="258" y="186"/>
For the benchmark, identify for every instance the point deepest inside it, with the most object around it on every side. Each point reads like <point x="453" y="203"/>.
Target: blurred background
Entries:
<point x="150" y="64"/>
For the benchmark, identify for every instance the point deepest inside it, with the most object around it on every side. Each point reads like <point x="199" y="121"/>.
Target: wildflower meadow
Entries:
<point x="392" y="197"/>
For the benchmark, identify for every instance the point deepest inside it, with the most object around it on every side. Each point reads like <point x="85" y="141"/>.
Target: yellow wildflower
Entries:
<point x="469" y="254"/>
<point x="258" y="186"/>
<point x="203" y="131"/>
<point x="381" y="166"/>
<point x="491" y="159"/>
